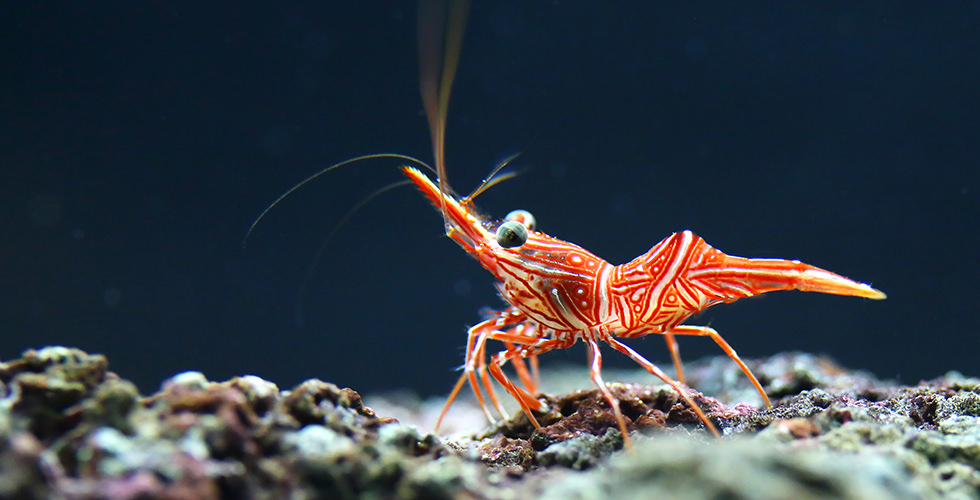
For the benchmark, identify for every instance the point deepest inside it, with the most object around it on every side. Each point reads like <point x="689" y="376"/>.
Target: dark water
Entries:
<point x="139" y="141"/>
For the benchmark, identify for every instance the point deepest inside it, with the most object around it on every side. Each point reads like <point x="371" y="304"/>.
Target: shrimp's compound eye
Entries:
<point x="524" y="217"/>
<point x="511" y="234"/>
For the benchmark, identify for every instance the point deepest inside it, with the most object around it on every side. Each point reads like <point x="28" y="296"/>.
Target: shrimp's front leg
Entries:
<point x="525" y="400"/>
<point x="475" y="365"/>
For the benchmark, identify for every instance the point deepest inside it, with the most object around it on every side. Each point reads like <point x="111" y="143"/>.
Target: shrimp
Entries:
<point x="560" y="293"/>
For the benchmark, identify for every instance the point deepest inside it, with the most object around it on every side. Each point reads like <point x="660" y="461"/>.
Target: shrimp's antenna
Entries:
<point x="307" y="180"/>
<point x="440" y="32"/>
<point x="305" y="285"/>
<point x="493" y="179"/>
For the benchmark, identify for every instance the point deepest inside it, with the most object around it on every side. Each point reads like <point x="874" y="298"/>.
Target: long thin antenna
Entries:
<point x="305" y="285"/>
<point x="440" y="31"/>
<point x="321" y="172"/>
<point x="493" y="179"/>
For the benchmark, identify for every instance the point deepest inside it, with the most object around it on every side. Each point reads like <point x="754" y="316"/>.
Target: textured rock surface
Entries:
<point x="71" y="429"/>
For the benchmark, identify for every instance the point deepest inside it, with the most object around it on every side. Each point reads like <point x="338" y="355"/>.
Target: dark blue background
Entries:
<point x="139" y="140"/>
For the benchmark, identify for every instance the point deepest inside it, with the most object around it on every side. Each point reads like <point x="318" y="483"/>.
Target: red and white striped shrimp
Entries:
<point x="559" y="293"/>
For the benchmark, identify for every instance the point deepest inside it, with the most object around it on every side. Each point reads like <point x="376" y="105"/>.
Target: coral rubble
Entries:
<point x="71" y="429"/>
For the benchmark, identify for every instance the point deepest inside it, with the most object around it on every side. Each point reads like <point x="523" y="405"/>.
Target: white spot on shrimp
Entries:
<point x="576" y="259"/>
<point x="591" y="263"/>
<point x="580" y="291"/>
<point x="584" y="303"/>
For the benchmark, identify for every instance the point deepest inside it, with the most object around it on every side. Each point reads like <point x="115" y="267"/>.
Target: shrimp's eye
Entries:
<point x="524" y="217"/>
<point x="511" y="234"/>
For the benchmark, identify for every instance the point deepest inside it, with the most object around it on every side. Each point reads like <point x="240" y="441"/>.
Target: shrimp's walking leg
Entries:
<point x="481" y="367"/>
<point x="525" y="400"/>
<point x="595" y="369"/>
<point x="675" y="355"/>
<point x="476" y="364"/>
<point x="522" y="334"/>
<point x="655" y="370"/>
<point x="475" y="341"/>
<point x="535" y="374"/>
<point x="707" y="331"/>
